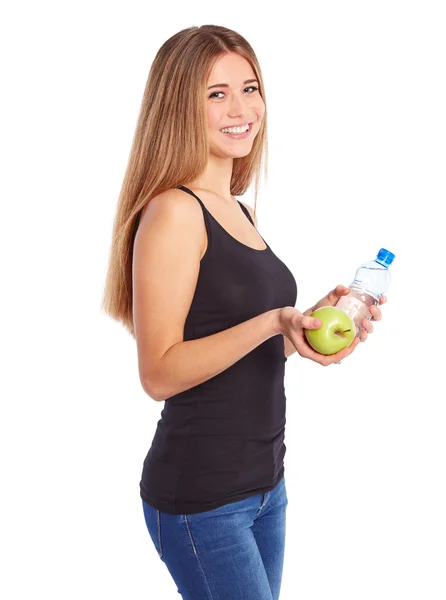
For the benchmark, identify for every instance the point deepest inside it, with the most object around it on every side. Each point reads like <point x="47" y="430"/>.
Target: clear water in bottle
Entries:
<point x="372" y="280"/>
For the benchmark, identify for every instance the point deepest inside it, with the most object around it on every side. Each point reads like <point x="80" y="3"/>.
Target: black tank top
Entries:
<point x="223" y="440"/>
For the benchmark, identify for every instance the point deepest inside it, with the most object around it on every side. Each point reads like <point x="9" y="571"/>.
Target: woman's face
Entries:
<point x="235" y="101"/>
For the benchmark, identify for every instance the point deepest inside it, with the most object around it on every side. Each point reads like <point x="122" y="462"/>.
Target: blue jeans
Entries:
<point x="234" y="552"/>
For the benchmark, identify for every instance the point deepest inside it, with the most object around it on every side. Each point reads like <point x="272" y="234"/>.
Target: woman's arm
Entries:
<point x="165" y="270"/>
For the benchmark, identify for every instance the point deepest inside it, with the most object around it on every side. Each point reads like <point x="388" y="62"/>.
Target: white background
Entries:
<point x="356" y="101"/>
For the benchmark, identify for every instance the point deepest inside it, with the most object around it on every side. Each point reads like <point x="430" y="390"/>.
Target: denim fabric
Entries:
<point x="234" y="552"/>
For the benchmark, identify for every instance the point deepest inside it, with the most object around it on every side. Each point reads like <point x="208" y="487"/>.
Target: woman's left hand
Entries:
<point x="332" y="298"/>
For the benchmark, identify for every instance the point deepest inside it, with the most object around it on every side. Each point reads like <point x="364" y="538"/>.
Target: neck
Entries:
<point x="216" y="178"/>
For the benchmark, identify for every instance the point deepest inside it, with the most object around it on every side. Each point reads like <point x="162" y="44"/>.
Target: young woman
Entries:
<point x="212" y="310"/>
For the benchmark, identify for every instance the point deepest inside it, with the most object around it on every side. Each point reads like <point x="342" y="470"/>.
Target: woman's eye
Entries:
<point x="251" y="87"/>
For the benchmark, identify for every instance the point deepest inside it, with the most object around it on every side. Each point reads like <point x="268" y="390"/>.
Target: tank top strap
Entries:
<point x="205" y="210"/>
<point x="246" y="211"/>
<point x="186" y="189"/>
<point x="206" y="215"/>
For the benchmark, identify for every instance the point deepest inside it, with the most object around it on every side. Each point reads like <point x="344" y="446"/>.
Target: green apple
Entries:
<point x="337" y="332"/>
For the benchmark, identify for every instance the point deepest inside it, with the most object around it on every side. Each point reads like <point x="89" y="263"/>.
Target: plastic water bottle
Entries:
<point x="371" y="281"/>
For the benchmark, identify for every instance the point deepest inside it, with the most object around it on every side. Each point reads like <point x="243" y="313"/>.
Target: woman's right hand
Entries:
<point x="292" y="324"/>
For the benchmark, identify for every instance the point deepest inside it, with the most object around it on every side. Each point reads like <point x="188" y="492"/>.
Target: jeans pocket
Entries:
<point x="152" y="517"/>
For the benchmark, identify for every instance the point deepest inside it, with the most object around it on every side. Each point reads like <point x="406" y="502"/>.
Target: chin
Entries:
<point x="227" y="153"/>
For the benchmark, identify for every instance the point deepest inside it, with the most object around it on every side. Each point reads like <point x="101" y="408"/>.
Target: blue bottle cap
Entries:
<point x="385" y="257"/>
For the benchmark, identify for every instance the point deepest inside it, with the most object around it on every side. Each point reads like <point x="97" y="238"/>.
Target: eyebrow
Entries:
<point x="226" y="85"/>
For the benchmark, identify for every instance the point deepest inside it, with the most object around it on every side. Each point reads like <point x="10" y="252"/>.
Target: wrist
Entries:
<point x="281" y="317"/>
<point x="275" y="320"/>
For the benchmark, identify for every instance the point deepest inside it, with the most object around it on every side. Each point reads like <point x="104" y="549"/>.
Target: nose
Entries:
<point x="237" y="105"/>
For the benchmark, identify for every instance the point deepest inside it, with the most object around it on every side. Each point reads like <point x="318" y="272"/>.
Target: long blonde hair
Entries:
<point x="170" y="145"/>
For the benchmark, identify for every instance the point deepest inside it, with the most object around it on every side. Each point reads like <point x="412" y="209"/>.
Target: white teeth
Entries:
<point x="235" y="129"/>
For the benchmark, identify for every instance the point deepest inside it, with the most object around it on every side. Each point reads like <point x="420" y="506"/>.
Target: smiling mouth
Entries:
<point x="239" y="135"/>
